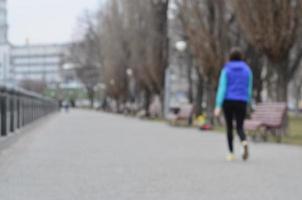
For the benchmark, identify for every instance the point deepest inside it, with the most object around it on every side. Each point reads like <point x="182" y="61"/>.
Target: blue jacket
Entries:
<point x="235" y="83"/>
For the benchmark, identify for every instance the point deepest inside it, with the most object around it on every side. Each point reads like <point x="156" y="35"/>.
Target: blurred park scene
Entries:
<point x="117" y="99"/>
<point x="153" y="59"/>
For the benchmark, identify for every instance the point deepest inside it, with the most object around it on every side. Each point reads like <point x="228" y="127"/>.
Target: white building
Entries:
<point x="38" y="62"/>
<point x="32" y="62"/>
<point x="5" y="69"/>
<point x="3" y="22"/>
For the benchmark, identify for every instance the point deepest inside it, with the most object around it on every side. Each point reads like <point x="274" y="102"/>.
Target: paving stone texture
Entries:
<point x="85" y="155"/>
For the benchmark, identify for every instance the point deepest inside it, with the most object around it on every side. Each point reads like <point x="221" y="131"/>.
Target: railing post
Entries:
<point x="20" y="107"/>
<point x="31" y="110"/>
<point x="27" y="114"/>
<point x="12" y="111"/>
<point x="24" y="113"/>
<point x="18" y="102"/>
<point x="21" y="110"/>
<point x="3" y="114"/>
<point x="32" y="107"/>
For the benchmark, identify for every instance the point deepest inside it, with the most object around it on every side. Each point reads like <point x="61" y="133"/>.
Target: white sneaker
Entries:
<point x="230" y="157"/>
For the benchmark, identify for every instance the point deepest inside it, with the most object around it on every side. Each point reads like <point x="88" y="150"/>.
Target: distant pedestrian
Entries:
<point x="233" y="95"/>
<point x="66" y="106"/>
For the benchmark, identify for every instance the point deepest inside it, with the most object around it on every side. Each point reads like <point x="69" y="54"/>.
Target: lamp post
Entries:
<point x="102" y="86"/>
<point x="167" y="92"/>
<point x="181" y="46"/>
<point x="131" y="85"/>
<point x="170" y="77"/>
<point x="129" y="72"/>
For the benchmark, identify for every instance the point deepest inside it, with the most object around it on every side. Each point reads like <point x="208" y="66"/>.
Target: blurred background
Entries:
<point x="149" y="58"/>
<point x="142" y="77"/>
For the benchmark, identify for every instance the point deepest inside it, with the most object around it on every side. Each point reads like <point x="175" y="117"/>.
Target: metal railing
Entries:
<point x="19" y="108"/>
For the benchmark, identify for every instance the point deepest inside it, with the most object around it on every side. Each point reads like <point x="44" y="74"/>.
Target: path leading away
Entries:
<point x="93" y="156"/>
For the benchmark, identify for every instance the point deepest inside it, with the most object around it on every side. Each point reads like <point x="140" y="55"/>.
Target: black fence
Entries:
<point x="19" y="108"/>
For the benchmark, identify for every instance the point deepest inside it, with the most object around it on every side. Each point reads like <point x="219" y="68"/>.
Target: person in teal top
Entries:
<point x="233" y="95"/>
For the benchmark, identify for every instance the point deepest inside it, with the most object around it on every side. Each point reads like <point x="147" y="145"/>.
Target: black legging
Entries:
<point x="234" y="110"/>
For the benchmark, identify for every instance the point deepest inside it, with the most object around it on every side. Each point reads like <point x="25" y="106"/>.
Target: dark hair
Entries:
<point x="236" y="54"/>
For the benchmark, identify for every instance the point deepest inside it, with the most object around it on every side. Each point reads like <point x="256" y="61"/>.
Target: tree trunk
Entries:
<point x="269" y="84"/>
<point x="118" y="105"/>
<point x="258" y="97"/>
<point x="282" y="80"/>
<point x="199" y="97"/>
<point x="259" y="89"/>
<point x="282" y="87"/>
<point x="105" y="104"/>
<point x="258" y="82"/>
<point x="210" y="102"/>
<point x="255" y="60"/>
<point x="189" y="76"/>
<point x="162" y="104"/>
<point x="91" y="95"/>
<point x="297" y="89"/>
<point x="147" y="102"/>
<point x="190" y="81"/>
<point x="161" y="29"/>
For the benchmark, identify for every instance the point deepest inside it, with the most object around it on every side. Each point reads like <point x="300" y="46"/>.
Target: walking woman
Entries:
<point x="233" y="95"/>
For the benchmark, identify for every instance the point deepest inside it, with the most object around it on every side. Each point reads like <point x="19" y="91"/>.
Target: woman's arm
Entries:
<point x="221" y="89"/>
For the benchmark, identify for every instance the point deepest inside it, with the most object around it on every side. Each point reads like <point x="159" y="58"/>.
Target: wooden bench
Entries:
<point x="183" y="116"/>
<point x="268" y="118"/>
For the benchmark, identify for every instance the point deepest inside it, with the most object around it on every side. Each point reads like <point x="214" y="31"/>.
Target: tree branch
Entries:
<point x="295" y="65"/>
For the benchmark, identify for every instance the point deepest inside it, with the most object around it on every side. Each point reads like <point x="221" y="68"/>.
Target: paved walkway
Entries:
<point x="91" y="156"/>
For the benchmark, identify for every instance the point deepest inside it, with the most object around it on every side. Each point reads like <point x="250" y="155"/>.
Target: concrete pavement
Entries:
<point x="93" y="156"/>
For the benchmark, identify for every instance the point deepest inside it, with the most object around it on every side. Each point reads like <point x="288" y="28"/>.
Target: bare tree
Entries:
<point x="206" y="25"/>
<point x="112" y="30"/>
<point x="139" y="29"/>
<point x="89" y="76"/>
<point x="127" y="34"/>
<point x="272" y="26"/>
<point x="148" y="33"/>
<point x="85" y="56"/>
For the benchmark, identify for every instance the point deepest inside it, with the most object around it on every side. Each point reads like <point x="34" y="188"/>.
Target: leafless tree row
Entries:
<point x="269" y="32"/>
<point x="272" y="27"/>
<point x="133" y="35"/>
<point x="206" y="27"/>
<point x="130" y="35"/>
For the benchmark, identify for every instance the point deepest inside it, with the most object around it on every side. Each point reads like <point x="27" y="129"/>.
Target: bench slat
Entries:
<point x="269" y="115"/>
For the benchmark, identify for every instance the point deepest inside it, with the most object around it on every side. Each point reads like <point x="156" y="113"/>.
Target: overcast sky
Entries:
<point x="45" y="21"/>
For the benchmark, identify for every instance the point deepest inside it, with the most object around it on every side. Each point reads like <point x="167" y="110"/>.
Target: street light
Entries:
<point x="129" y="72"/>
<point x="181" y="46"/>
<point x="131" y="84"/>
<point x="68" y="66"/>
<point x="170" y="77"/>
<point x="102" y="86"/>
